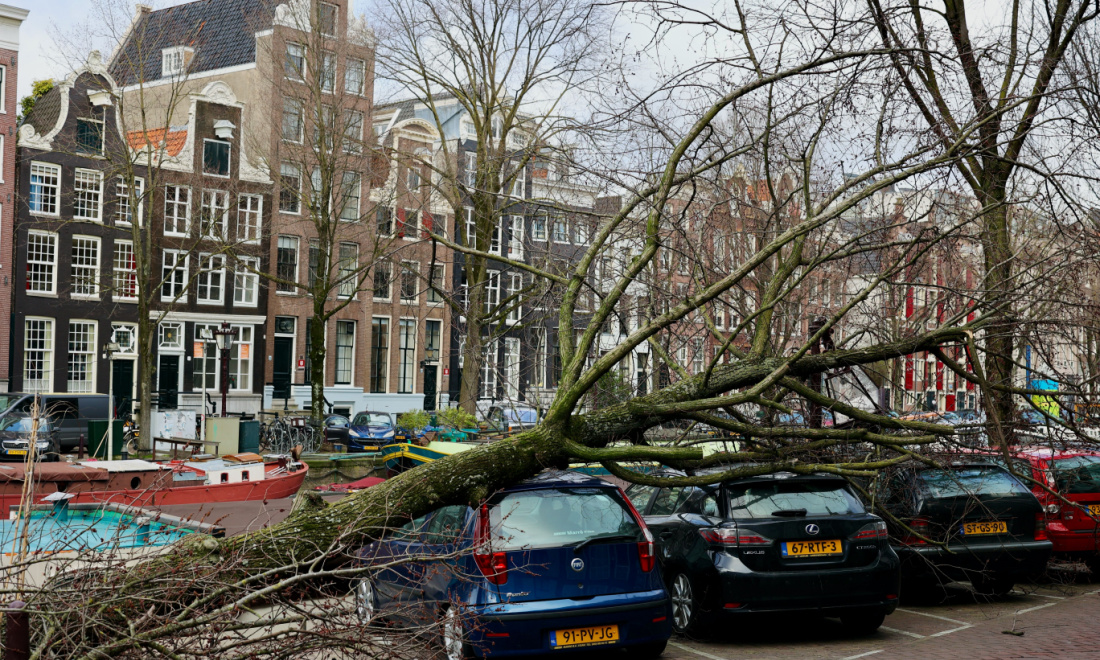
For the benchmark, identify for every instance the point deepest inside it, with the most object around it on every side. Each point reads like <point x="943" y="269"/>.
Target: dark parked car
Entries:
<point x="371" y="431"/>
<point x="773" y="543"/>
<point x="16" y="433"/>
<point x="557" y="563"/>
<point x="993" y="525"/>
<point x="70" y="413"/>
<point x="337" y="428"/>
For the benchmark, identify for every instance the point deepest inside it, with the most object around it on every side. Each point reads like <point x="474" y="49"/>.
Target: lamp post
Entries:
<point x="224" y="337"/>
<point x="109" y="350"/>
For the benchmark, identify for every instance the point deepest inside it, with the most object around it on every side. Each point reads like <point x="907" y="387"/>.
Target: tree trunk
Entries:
<point x="473" y="351"/>
<point x="317" y="364"/>
<point x="1000" y="335"/>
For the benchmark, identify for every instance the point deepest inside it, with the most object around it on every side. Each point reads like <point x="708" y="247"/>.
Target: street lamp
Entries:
<point x="224" y="337"/>
<point x="109" y="350"/>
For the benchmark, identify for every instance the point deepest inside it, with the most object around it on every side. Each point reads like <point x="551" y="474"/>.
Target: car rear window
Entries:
<point x="971" y="481"/>
<point x="369" y="419"/>
<point x="1080" y="474"/>
<point x="559" y="517"/>
<point x="767" y="499"/>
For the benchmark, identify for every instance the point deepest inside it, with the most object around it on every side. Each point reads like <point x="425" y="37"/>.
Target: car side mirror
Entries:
<point x="699" y="520"/>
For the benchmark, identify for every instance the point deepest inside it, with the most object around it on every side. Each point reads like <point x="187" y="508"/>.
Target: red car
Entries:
<point x="1075" y="475"/>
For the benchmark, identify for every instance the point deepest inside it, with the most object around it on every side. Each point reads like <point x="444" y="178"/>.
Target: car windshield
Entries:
<point x="559" y="517"/>
<point x="785" y="498"/>
<point x="1080" y="474"/>
<point x="372" y="419"/>
<point x="974" y="480"/>
<point x="7" y="400"/>
<point x="17" y="424"/>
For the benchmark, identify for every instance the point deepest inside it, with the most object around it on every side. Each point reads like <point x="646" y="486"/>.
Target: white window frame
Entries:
<point x="246" y="282"/>
<point x="437" y="297"/>
<point x="511" y="368"/>
<point x="94" y="194"/>
<point x="515" y="239"/>
<point x="297" y="262"/>
<point x="349" y="277"/>
<point x="353" y="132"/>
<point x="48" y="349"/>
<point x="300" y="74"/>
<point x="346" y="196"/>
<point x="487" y="387"/>
<point x="336" y="352"/>
<point x="115" y="271"/>
<point x="492" y="290"/>
<point x="412" y="267"/>
<point x="297" y="193"/>
<point x="250" y="207"/>
<point x="179" y="295"/>
<point x="386" y="352"/>
<point x="45" y="169"/>
<point x="351" y="65"/>
<point x="176" y="204"/>
<point x="49" y="266"/>
<point x="327" y="81"/>
<point x="378" y="265"/>
<point x="288" y="102"/>
<point x="210" y="266"/>
<point x="219" y="214"/>
<point x="89" y="352"/>
<point x="164" y="345"/>
<point x="127" y="346"/>
<point x="515" y="285"/>
<point x="179" y="54"/>
<point x="228" y="159"/>
<point x="122" y="200"/>
<point x="559" y="221"/>
<point x="406" y="370"/>
<point x="543" y="219"/>
<point x="95" y="268"/>
<point x="3" y="91"/>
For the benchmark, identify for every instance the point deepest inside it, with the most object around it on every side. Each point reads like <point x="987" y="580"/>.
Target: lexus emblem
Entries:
<point x="812" y="529"/>
<point x="577" y="564"/>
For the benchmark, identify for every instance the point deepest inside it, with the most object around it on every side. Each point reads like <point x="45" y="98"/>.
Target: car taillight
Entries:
<point x="647" y="554"/>
<point x="1041" y="527"/>
<point x="871" y="531"/>
<point x="493" y="565"/>
<point x="919" y="526"/>
<point x="732" y="537"/>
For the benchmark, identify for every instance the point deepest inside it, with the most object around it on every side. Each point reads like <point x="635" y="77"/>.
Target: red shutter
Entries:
<point x="400" y="223"/>
<point x="909" y="373"/>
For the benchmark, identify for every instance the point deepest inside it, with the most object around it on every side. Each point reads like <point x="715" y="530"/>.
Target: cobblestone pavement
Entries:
<point x="1057" y="618"/>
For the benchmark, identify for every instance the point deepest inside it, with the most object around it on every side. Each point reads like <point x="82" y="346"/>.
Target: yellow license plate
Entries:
<point x="590" y="636"/>
<point x="812" y="548"/>
<point x="1094" y="509"/>
<point x="975" y="528"/>
<point x="17" y="452"/>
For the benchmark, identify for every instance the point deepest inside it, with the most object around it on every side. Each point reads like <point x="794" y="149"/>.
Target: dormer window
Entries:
<point x="174" y="61"/>
<point x="215" y="157"/>
<point x="89" y="136"/>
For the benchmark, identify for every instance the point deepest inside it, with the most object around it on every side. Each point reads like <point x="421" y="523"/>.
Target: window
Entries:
<point x="293" y="120"/>
<point x="174" y="275"/>
<point x="41" y="262"/>
<point x="488" y="385"/>
<point x="314" y="263"/>
<point x="89" y="136"/>
<point x="541" y="376"/>
<point x="355" y="76"/>
<point x="345" y="351"/>
<point x="414" y="179"/>
<point x="470" y="228"/>
<point x="349" y="269"/>
<point x="249" y="217"/>
<point x="492" y="291"/>
<point x="215" y="157"/>
<point x="515" y="285"/>
<point x="515" y="240"/>
<point x="326" y="14"/>
<point x="125" y="335"/>
<point x="38" y="354"/>
<point x="384" y="216"/>
<point x="561" y="230"/>
<point x="406" y="348"/>
<point x="435" y="293"/>
<point x="353" y="132"/>
<point x="538" y="227"/>
<point x="582" y="233"/>
<point x="494" y="240"/>
<point x="125" y="272"/>
<point x="409" y="223"/>
<point x="82" y="347"/>
<point x="328" y="72"/>
<point x="211" y="284"/>
<point x="383" y="274"/>
<point x="240" y="359"/>
<point x="286" y="263"/>
<point x="84" y="267"/>
<point x="295" y="63"/>
<point x="349" y="193"/>
<point x="170" y="336"/>
<point x="697" y="356"/>
<point x="124" y="206"/>
<point x="173" y="61"/>
<point x="214" y="219"/>
<point x="410" y="281"/>
<point x="433" y="339"/>
<point x="87" y="195"/>
<point x="177" y="210"/>
<point x="379" y="353"/>
<point x="45" y="189"/>
<point x="511" y="368"/>
<point x="517" y="185"/>
<point x="290" y="192"/>
<point x="324" y="131"/>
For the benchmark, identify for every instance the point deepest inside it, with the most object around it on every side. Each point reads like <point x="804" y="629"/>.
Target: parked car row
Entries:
<point x="567" y="561"/>
<point x="366" y="431"/>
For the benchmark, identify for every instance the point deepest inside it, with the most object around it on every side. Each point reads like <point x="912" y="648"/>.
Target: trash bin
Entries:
<point x="95" y="440"/>
<point x="250" y="436"/>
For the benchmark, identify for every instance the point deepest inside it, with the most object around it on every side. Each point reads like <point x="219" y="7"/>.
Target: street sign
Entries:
<point x="446" y="371"/>
<point x="301" y="364"/>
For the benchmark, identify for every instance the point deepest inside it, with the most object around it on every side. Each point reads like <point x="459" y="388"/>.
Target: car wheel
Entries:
<point x="993" y="585"/>
<point x="366" y="604"/>
<point x="863" y="622"/>
<point x="454" y="636"/>
<point x="648" y="651"/>
<point x="685" y="605"/>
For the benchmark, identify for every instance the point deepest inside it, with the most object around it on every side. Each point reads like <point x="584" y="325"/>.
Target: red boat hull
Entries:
<point x="269" y="488"/>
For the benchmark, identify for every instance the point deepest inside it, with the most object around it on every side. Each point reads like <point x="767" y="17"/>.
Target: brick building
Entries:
<point x="11" y="19"/>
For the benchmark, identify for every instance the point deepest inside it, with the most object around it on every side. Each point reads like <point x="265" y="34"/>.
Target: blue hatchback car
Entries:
<point x="560" y="562"/>
<point x="370" y="431"/>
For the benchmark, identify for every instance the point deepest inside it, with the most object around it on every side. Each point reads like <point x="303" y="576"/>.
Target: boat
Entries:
<point x="405" y="455"/>
<point x="134" y="482"/>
